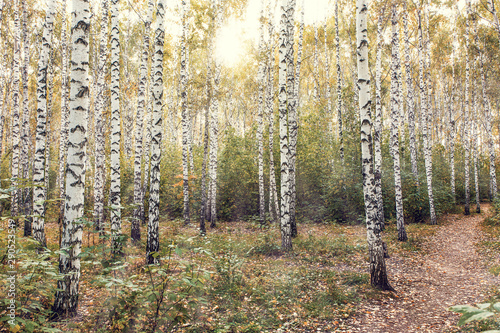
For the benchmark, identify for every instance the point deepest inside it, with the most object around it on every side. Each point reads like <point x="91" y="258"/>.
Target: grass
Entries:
<point x="235" y="279"/>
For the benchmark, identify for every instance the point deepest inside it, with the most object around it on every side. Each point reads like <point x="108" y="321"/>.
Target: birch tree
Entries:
<point x="377" y="133"/>
<point x="115" y="196"/>
<point x="214" y="125"/>
<point x="474" y="131"/>
<point x="153" y="243"/>
<point x="99" y="122"/>
<point x="424" y="111"/>
<point x="286" y="239"/>
<point x="66" y="298"/>
<point x="63" y="138"/>
<point x="185" y="116"/>
<point x="410" y="97"/>
<point x="25" y="160"/>
<point x="339" y="83"/>
<point x="260" y="117"/>
<point x="138" y="218"/>
<point x="15" y="130"/>
<point x="395" y="113"/>
<point x="375" y="245"/>
<point x="292" y="107"/>
<point x="273" y="195"/>
<point x="39" y="170"/>
<point x="466" y="116"/>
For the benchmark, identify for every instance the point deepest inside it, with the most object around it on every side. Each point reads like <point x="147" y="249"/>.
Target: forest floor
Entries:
<point x="236" y="279"/>
<point x="450" y="271"/>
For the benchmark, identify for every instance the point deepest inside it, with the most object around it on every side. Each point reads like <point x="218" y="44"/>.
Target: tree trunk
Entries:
<point x="474" y="130"/>
<point x="260" y="117"/>
<point x="115" y="196"/>
<point x="395" y="114"/>
<point x="15" y="129"/>
<point x="377" y="133"/>
<point x="66" y="298"/>
<point x="424" y="107"/>
<point x="153" y="244"/>
<point x="466" y="116"/>
<point x="339" y="84"/>
<point x="25" y="159"/>
<point x="273" y="195"/>
<point x="377" y="262"/>
<point x="185" y="116"/>
<point x="286" y="239"/>
<point x="138" y="217"/>
<point x="41" y="130"/>
<point x="410" y="98"/>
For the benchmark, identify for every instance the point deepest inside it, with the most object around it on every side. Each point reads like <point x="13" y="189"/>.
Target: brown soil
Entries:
<point x="451" y="272"/>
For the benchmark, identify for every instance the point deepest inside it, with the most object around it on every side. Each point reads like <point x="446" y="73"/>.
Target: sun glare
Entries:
<point x="230" y="43"/>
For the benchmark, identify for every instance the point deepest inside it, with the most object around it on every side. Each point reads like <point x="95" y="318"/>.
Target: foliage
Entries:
<point x="482" y="312"/>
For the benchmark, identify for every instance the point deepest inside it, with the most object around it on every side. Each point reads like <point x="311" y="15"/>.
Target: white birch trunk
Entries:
<point x="424" y="106"/>
<point x="63" y="138"/>
<point x="339" y="84"/>
<point x="100" y="108"/>
<point x="273" y="194"/>
<point x="395" y="114"/>
<point x="377" y="262"/>
<point x="153" y="243"/>
<point x="66" y="298"/>
<point x="25" y="160"/>
<point x="115" y="137"/>
<point x="377" y="133"/>
<point x="466" y="116"/>
<point x="16" y="108"/>
<point x="138" y="218"/>
<point x="286" y="239"/>
<point x="185" y="116"/>
<point x="39" y="170"/>
<point x="260" y="117"/>
<point x="410" y="98"/>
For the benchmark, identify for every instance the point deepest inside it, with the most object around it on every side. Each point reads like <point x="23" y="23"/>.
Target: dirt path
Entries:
<point x="451" y="273"/>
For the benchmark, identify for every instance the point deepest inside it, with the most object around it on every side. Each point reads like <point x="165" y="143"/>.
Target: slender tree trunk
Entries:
<point x="293" y="81"/>
<point x="25" y="159"/>
<point x="138" y="218"/>
<point x="185" y="116"/>
<point x="286" y="239"/>
<point x="410" y="97"/>
<point x="16" y="108"/>
<point x="474" y="131"/>
<point x="63" y="138"/>
<point x="115" y="196"/>
<point x="328" y="90"/>
<point x="316" y="94"/>
<point x="339" y="84"/>
<point x="39" y="170"/>
<point x="375" y="245"/>
<point x="377" y="133"/>
<point x="66" y="298"/>
<point x="260" y="117"/>
<point x="153" y="244"/>
<point x="214" y="126"/>
<point x="466" y="116"/>
<point x="424" y="106"/>
<point x="451" y="109"/>
<point x="395" y="113"/>
<point x="101" y="105"/>
<point x="273" y="195"/>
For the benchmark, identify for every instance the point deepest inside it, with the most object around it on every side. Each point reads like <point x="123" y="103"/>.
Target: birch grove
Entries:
<point x="248" y="119"/>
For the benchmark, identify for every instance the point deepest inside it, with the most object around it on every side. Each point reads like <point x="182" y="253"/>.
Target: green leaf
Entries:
<point x="464" y="309"/>
<point x="496" y="306"/>
<point x="491" y="331"/>
<point x="467" y="318"/>
<point x="483" y="306"/>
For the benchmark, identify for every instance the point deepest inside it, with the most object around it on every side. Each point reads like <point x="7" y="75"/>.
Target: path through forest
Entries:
<point x="450" y="273"/>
